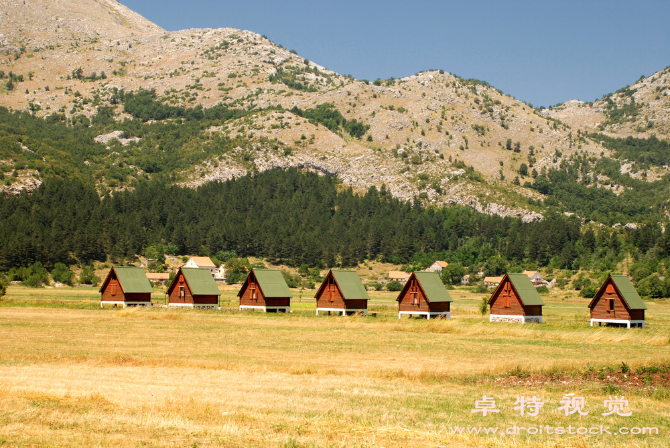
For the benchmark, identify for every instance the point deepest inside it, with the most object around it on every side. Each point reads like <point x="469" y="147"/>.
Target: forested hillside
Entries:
<point x="601" y="189"/>
<point x="295" y="218"/>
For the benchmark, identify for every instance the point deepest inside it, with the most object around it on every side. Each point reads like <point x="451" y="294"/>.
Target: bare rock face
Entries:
<point x="498" y="210"/>
<point x="24" y="181"/>
<point x="118" y="135"/>
<point x="41" y="23"/>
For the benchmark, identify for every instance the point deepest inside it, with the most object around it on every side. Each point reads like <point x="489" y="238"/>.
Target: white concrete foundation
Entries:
<point x="286" y="309"/>
<point x="124" y="304"/>
<point x="628" y="323"/>
<point x="210" y="306"/>
<point x="429" y="315"/>
<point x="515" y="319"/>
<point x="342" y="311"/>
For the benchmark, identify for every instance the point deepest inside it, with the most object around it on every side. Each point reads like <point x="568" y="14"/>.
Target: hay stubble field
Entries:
<point x="76" y="375"/>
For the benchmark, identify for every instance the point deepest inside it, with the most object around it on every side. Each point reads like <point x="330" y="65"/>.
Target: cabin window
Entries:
<point x="507" y="295"/>
<point x="182" y="291"/>
<point x="113" y="290"/>
<point x="415" y="298"/>
<point x="253" y="294"/>
<point x="610" y="305"/>
<point x="331" y="289"/>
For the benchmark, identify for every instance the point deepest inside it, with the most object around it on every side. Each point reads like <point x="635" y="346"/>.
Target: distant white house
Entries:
<point x="535" y="277"/>
<point x="220" y="274"/>
<point x="201" y="262"/>
<point x="438" y="266"/>
<point x="465" y="280"/>
<point x="398" y="276"/>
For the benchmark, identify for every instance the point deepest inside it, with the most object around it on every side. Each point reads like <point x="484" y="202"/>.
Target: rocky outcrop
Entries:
<point x="498" y="210"/>
<point x="27" y="180"/>
<point x="118" y="135"/>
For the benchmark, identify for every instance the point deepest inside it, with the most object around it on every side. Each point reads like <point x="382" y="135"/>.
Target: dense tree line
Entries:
<point x="575" y="187"/>
<point x="327" y="115"/>
<point x="649" y="151"/>
<point x="294" y="218"/>
<point x="144" y="105"/>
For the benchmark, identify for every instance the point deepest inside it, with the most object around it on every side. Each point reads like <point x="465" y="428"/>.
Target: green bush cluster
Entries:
<point x="34" y="275"/>
<point x="88" y="277"/>
<point x="327" y="115"/>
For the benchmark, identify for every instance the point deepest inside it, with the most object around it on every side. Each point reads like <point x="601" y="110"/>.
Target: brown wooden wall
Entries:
<point x="357" y="304"/>
<point x="245" y="297"/>
<point x="533" y="310"/>
<point x="278" y="301"/>
<point x="406" y="302"/>
<point x="113" y="286"/>
<point x="637" y="314"/>
<point x="600" y="308"/>
<point x="498" y="304"/>
<point x="174" y="296"/>
<point x="330" y="296"/>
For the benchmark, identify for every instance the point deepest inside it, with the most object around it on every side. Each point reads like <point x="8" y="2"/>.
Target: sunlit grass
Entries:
<point x="75" y="374"/>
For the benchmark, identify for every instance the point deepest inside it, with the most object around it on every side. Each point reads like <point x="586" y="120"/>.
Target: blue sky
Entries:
<point x="543" y="52"/>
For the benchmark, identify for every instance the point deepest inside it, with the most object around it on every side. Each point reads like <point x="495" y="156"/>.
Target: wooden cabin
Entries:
<point x="342" y="292"/>
<point x="195" y="288"/>
<point x="516" y="300"/>
<point x="617" y="303"/>
<point x="126" y="286"/>
<point x="424" y="295"/>
<point x="265" y="289"/>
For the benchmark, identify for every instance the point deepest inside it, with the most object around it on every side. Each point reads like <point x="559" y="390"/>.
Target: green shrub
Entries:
<point x="377" y="286"/>
<point x="238" y="270"/>
<point x="88" y="277"/>
<point x="293" y="281"/>
<point x="34" y="276"/>
<point x="62" y="274"/>
<point x="168" y="282"/>
<point x="395" y="285"/>
<point x="484" y="305"/>
<point x="589" y="291"/>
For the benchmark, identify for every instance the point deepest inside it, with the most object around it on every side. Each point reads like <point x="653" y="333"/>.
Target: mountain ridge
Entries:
<point x="424" y="129"/>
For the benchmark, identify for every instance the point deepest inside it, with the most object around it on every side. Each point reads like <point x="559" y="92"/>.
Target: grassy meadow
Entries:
<point x="74" y="374"/>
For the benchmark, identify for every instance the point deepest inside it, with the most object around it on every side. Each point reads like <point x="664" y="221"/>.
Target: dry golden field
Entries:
<point x="77" y="375"/>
